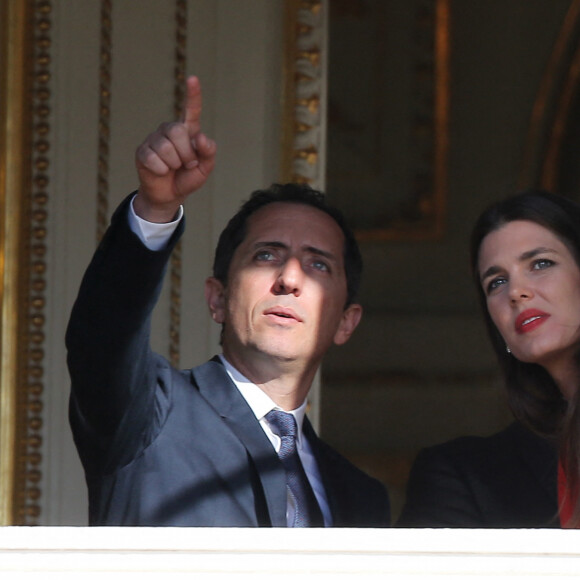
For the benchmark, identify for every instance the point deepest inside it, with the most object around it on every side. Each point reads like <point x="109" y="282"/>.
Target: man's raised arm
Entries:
<point x="113" y="372"/>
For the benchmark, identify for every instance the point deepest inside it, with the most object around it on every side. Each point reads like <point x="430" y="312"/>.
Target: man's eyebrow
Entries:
<point x="266" y="244"/>
<point x="492" y="270"/>
<point x="319" y="252"/>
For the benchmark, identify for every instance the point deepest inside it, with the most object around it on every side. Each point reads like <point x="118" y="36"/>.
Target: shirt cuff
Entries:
<point x="154" y="236"/>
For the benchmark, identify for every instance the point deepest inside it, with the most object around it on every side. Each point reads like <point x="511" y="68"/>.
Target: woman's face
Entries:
<point x="532" y="285"/>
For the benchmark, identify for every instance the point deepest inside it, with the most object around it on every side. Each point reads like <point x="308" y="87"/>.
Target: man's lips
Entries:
<point x="283" y="313"/>
<point x="530" y="319"/>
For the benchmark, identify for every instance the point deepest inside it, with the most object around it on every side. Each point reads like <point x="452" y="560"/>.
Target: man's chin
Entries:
<point x="276" y="349"/>
<point x="280" y="354"/>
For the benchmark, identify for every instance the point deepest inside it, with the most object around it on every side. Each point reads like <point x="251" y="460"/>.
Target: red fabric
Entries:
<point x="566" y="499"/>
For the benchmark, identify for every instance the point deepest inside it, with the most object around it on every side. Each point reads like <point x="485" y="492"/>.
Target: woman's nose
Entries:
<point x="520" y="289"/>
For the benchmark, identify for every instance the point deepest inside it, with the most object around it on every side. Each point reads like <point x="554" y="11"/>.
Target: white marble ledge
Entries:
<point x="64" y="552"/>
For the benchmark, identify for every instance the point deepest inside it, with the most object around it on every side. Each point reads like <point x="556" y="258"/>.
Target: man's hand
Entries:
<point x="173" y="162"/>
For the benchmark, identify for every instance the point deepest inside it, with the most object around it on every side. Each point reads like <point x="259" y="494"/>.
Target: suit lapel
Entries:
<point x="217" y="388"/>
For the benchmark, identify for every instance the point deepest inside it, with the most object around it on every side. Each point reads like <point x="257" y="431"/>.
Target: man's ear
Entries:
<point x="349" y="321"/>
<point x="215" y="298"/>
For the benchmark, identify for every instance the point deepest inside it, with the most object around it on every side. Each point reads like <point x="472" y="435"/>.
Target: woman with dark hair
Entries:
<point x="525" y="257"/>
<point x="525" y="254"/>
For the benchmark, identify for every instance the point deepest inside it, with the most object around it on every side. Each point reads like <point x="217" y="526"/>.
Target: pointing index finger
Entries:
<point x="192" y="109"/>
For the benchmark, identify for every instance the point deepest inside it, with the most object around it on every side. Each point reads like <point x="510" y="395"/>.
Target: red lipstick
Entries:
<point x="530" y="319"/>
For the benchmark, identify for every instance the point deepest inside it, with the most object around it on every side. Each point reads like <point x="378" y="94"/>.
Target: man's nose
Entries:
<point x="290" y="278"/>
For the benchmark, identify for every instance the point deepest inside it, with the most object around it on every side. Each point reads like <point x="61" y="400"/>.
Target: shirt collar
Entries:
<point x="260" y="403"/>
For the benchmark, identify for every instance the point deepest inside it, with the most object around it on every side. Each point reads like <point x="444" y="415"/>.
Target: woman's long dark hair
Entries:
<point x="533" y="396"/>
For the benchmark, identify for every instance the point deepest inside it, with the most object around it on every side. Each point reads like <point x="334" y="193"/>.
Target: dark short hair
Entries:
<point x="533" y="395"/>
<point x="235" y="232"/>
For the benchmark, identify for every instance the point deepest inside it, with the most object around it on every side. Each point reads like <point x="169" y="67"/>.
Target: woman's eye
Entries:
<point x="495" y="284"/>
<point x="542" y="264"/>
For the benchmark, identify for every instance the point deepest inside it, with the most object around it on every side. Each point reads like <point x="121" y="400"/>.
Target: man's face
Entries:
<point x="286" y="292"/>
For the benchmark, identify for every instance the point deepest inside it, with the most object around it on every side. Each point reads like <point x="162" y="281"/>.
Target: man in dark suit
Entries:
<point x="199" y="447"/>
<point x="507" y="480"/>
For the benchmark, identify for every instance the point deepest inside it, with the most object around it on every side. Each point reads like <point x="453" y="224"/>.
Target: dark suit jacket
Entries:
<point x="508" y="480"/>
<point x="167" y="447"/>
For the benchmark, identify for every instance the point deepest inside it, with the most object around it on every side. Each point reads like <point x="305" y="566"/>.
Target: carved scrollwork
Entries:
<point x="304" y="92"/>
<point x="105" y="80"/>
<point x="176" y="257"/>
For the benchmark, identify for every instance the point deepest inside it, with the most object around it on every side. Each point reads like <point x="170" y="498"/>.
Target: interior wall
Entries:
<point x="235" y="49"/>
<point x="419" y="370"/>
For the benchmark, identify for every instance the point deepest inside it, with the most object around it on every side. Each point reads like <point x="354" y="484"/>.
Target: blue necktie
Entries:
<point x="307" y="511"/>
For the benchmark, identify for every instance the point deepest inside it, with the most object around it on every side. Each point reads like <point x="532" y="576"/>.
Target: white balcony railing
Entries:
<point x="95" y="553"/>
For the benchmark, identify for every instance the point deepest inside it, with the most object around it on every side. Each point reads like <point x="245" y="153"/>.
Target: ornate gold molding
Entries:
<point x="549" y="119"/>
<point x="305" y="106"/>
<point x="35" y="338"/>
<point x="14" y="68"/>
<point x="552" y="167"/>
<point x="304" y="92"/>
<point x="176" y="256"/>
<point x="441" y="112"/>
<point x="423" y="214"/>
<point x="105" y="78"/>
<point x="24" y="56"/>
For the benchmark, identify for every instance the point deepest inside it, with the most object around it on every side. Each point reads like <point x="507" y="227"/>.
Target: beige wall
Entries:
<point x="235" y="48"/>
